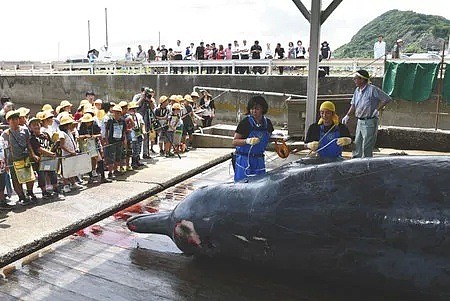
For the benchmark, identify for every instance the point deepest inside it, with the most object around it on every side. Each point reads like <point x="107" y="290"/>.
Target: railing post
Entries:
<point x="269" y="71"/>
<point x="233" y="67"/>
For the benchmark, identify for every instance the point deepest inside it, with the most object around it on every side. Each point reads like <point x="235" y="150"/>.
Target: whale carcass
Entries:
<point x="383" y="221"/>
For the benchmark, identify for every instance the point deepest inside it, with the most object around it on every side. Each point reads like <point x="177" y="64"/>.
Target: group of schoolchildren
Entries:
<point x="112" y="135"/>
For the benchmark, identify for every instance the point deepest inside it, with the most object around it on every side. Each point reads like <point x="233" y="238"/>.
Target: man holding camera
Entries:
<point x="146" y="106"/>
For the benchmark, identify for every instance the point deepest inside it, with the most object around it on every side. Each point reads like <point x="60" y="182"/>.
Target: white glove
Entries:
<point x="252" y="141"/>
<point x="345" y="119"/>
<point x="343" y="141"/>
<point x="376" y="113"/>
<point x="313" y="145"/>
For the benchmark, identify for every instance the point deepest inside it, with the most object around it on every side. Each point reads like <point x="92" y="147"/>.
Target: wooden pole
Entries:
<point x="439" y="91"/>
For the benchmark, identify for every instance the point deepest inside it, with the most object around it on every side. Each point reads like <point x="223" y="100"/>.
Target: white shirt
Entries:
<point x="245" y="50"/>
<point x="105" y="56"/>
<point x="235" y="50"/>
<point x="138" y="124"/>
<point x="141" y="56"/>
<point x="379" y="49"/>
<point x="129" y="56"/>
<point x="69" y="142"/>
<point x="178" y="50"/>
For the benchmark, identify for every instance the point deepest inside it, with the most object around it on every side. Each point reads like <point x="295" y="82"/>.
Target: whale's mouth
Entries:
<point x="185" y="231"/>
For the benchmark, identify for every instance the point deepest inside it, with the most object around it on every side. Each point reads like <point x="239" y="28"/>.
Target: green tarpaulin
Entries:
<point x="446" y="84"/>
<point x="410" y="81"/>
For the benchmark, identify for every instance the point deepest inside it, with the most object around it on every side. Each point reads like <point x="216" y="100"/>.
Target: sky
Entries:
<point x="49" y="30"/>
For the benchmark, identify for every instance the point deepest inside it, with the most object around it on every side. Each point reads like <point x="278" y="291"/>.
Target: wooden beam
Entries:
<point x="313" y="71"/>
<point x="327" y="12"/>
<point x="301" y="7"/>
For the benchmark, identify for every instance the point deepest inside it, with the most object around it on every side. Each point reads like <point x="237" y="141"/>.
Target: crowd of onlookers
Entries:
<point x="114" y="136"/>
<point x="211" y="51"/>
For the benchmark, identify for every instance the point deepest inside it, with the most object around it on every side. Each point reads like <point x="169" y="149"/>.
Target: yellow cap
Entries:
<point x="12" y="113"/>
<point x="87" y="118"/>
<point x="194" y="94"/>
<point x="64" y="104"/>
<point x="40" y="115"/>
<point x="123" y="103"/>
<point x="66" y="119"/>
<point x="83" y="102"/>
<point x="163" y="99"/>
<point x="89" y="109"/>
<point x="117" y="108"/>
<point x="328" y="105"/>
<point x="23" y="111"/>
<point x="46" y="107"/>
<point x="188" y="98"/>
<point x="176" y="106"/>
<point x="132" y="105"/>
<point x="47" y="114"/>
<point x="33" y="119"/>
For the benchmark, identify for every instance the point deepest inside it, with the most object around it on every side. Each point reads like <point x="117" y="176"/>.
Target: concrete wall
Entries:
<point x="37" y="90"/>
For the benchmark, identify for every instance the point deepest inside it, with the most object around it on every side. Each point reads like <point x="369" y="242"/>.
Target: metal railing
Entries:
<point x="267" y="66"/>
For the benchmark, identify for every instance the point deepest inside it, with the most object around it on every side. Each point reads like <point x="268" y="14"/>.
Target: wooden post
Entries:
<point x="439" y="91"/>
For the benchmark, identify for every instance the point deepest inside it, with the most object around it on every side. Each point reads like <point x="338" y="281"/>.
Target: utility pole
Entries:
<point x="89" y="34"/>
<point x="316" y="17"/>
<point x="106" y="26"/>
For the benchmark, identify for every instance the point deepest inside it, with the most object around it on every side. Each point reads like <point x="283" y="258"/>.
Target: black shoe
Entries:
<point x="90" y="180"/>
<point x="111" y="175"/>
<point x="55" y="194"/>
<point x="139" y="164"/>
<point x="24" y="201"/>
<point x="32" y="196"/>
<point x="146" y="157"/>
<point x="153" y="152"/>
<point x="46" y="195"/>
<point x="105" y="180"/>
<point x="5" y="206"/>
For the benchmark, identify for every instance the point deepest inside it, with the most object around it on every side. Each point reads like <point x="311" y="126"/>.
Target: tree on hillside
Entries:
<point x="419" y="32"/>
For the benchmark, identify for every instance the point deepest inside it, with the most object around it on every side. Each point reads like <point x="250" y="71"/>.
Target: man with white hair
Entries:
<point x="7" y="106"/>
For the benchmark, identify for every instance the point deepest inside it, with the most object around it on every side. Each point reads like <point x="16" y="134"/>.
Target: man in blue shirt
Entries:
<point x="365" y="105"/>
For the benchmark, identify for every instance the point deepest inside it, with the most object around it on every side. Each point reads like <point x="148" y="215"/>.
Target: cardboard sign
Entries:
<point x="24" y="171"/>
<point x="48" y="164"/>
<point x="89" y="146"/>
<point x="76" y="165"/>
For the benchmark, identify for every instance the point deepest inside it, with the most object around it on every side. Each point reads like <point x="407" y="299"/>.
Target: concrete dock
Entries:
<point x="27" y="229"/>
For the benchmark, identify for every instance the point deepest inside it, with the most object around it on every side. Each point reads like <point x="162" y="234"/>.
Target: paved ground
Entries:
<point x="29" y="228"/>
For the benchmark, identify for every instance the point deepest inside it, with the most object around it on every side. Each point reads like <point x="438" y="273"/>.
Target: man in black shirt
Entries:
<point x="256" y="55"/>
<point x="279" y="54"/>
<point x="200" y="53"/>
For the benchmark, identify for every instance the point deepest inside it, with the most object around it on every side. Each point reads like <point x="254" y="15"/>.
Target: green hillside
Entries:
<point x="419" y="32"/>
